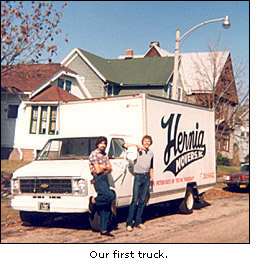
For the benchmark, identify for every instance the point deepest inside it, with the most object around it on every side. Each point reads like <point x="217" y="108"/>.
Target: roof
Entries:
<point x="53" y="94"/>
<point x="161" y="52"/>
<point x="28" y="77"/>
<point x="197" y="69"/>
<point x="153" y="71"/>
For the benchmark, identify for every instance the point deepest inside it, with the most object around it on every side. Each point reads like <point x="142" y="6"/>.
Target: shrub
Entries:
<point x="222" y="160"/>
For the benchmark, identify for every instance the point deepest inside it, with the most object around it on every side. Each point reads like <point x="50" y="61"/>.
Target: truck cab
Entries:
<point x="59" y="180"/>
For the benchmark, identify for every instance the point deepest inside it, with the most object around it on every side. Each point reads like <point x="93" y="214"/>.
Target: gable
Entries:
<point x="226" y="85"/>
<point x="29" y="77"/>
<point x="201" y="71"/>
<point x="53" y="94"/>
<point x="152" y="52"/>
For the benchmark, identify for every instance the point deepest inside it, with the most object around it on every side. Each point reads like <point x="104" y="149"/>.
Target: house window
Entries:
<point x="45" y="123"/>
<point x="169" y="90"/>
<point x="61" y="83"/>
<point x="65" y="84"/>
<point x="179" y="94"/>
<point x="52" y="124"/>
<point x="68" y="86"/>
<point x="12" y="111"/>
<point x="43" y="120"/>
<point x="33" y="124"/>
<point x="223" y="141"/>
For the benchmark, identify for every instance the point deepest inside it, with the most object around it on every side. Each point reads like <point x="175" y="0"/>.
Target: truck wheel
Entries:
<point x="94" y="220"/>
<point x="186" y="206"/>
<point x="30" y="218"/>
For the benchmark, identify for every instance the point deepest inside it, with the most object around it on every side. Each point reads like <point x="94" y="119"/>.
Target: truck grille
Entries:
<point x="62" y="186"/>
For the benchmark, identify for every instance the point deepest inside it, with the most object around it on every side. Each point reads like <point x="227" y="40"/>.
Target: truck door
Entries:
<point x="120" y="178"/>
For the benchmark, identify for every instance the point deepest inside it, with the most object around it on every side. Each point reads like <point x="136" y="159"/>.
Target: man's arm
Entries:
<point x="151" y="175"/>
<point x="151" y="171"/>
<point x="103" y="168"/>
<point x="127" y="145"/>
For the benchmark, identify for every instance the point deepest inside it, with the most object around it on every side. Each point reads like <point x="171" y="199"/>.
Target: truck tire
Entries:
<point x="30" y="218"/>
<point x="94" y="220"/>
<point x="186" y="205"/>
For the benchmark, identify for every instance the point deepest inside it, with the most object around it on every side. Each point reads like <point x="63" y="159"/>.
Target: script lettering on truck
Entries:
<point x="187" y="147"/>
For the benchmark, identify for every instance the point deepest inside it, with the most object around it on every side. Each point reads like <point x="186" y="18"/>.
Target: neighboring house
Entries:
<point x="30" y="97"/>
<point x="115" y="77"/>
<point x="204" y="78"/>
<point x="209" y="80"/>
<point x="242" y="136"/>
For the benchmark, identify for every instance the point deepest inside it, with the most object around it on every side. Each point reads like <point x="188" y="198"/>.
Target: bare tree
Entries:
<point x="27" y="32"/>
<point x="221" y="87"/>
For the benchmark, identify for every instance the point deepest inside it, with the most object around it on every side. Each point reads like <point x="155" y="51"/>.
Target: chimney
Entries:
<point x="154" y="43"/>
<point x="129" y="53"/>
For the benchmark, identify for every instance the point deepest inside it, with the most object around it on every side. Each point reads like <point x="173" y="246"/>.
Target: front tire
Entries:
<point x="31" y="218"/>
<point x="94" y="220"/>
<point x="186" y="205"/>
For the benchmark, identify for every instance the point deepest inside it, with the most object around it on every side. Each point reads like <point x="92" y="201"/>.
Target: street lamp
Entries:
<point x="226" y="24"/>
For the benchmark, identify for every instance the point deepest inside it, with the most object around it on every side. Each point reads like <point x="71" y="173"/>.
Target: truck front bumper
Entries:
<point x="60" y="204"/>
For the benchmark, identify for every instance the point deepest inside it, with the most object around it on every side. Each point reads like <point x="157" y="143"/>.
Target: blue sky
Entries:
<point x="108" y="28"/>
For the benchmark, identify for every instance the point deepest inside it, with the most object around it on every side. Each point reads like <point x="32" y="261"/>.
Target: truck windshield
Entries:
<point x="67" y="149"/>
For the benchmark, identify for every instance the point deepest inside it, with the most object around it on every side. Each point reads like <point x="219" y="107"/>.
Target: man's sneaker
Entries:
<point x="129" y="228"/>
<point x="91" y="205"/>
<point x="141" y="226"/>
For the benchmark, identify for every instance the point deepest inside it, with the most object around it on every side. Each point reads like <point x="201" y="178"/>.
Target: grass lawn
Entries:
<point x="224" y="170"/>
<point x="8" y="166"/>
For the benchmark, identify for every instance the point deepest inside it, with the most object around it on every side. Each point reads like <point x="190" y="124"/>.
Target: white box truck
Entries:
<point x="59" y="180"/>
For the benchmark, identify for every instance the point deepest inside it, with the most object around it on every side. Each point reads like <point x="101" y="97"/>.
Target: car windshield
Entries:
<point x="244" y="168"/>
<point x="67" y="149"/>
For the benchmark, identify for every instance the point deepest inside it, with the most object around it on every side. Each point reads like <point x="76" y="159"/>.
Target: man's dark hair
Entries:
<point x="101" y="139"/>
<point x="147" y="137"/>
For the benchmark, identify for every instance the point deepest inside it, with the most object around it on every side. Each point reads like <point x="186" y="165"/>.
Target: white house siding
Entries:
<point x="23" y="138"/>
<point x="75" y="87"/>
<point x="8" y="125"/>
<point x="242" y="139"/>
<point x="93" y="83"/>
<point x="136" y="90"/>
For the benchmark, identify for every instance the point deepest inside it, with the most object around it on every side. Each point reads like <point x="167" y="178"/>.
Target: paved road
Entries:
<point x="218" y="220"/>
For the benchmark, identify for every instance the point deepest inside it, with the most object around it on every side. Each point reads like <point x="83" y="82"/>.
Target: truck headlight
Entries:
<point x="15" y="186"/>
<point x="79" y="186"/>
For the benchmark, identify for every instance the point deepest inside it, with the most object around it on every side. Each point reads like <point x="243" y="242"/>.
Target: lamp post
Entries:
<point x="226" y="24"/>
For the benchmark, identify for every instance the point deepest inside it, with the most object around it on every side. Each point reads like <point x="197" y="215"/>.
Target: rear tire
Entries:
<point x="186" y="205"/>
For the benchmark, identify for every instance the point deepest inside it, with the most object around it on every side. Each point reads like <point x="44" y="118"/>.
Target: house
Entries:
<point x="31" y="114"/>
<point x="204" y="78"/>
<point x="242" y="136"/>
<point x="115" y="77"/>
<point x="30" y="97"/>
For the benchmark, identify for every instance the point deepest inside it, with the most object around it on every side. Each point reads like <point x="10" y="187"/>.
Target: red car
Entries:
<point x="239" y="179"/>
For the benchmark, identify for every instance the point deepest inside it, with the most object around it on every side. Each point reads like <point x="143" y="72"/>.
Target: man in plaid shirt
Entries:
<point x="100" y="167"/>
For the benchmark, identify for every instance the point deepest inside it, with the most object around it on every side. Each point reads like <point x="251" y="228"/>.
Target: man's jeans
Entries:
<point x="103" y="200"/>
<point x="140" y="191"/>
